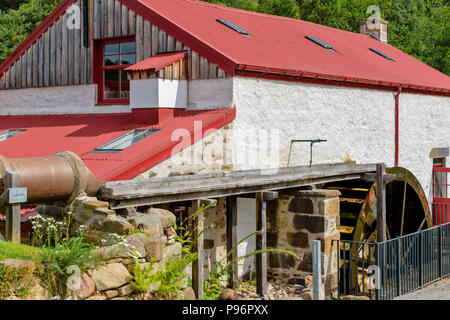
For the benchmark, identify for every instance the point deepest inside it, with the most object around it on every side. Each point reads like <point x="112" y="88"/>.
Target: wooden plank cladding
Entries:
<point x="59" y="57"/>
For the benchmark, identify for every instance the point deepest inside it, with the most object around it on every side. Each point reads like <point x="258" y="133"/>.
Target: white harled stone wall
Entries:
<point x="79" y="99"/>
<point x="358" y="124"/>
<point x="424" y="125"/>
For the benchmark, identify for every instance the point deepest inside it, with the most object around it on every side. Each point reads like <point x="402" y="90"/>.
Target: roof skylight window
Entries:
<point x="381" y="54"/>
<point x="10" y="133"/>
<point x="125" y="141"/>
<point x="319" y="42"/>
<point x="231" y="25"/>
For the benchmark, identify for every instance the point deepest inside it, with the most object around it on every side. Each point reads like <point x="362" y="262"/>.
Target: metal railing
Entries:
<point x="385" y="270"/>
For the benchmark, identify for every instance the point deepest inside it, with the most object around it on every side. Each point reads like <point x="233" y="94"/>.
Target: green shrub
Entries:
<point x="57" y="260"/>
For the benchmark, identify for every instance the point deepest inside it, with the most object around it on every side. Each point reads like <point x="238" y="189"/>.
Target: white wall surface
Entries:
<point x="210" y="94"/>
<point x="78" y="99"/>
<point x="358" y="124"/>
<point x="158" y="93"/>
<point x="246" y="224"/>
<point x="424" y="125"/>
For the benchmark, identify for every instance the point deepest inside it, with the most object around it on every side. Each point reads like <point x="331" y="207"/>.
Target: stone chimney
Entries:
<point x="374" y="26"/>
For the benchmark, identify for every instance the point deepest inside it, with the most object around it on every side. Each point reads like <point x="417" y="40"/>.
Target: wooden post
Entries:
<point x="13" y="212"/>
<point x="232" y="239"/>
<point x="381" y="203"/>
<point x="197" y="265"/>
<point x="261" y="259"/>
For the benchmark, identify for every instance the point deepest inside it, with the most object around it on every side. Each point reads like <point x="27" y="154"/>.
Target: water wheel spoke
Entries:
<point x="403" y="209"/>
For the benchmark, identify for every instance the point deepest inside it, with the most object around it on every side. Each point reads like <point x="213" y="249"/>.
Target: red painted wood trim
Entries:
<point x="98" y="68"/>
<point x="26" y="44"/>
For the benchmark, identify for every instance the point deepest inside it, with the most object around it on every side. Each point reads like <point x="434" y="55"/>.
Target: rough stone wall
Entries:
<point x="209" y="155"/>
<point x="294" y="221"/>
<point x="119" y="237"/>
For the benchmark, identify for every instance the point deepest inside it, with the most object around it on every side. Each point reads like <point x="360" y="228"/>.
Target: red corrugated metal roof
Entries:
<point x="157" y="62"/>
<point x="81" y="134"/>
<point x="277" y="45"/>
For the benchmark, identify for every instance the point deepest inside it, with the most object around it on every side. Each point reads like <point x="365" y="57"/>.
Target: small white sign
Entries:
<point x="17" y="195"/>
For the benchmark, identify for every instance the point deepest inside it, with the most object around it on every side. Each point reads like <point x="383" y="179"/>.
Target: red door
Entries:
<point x="441" y="191"/>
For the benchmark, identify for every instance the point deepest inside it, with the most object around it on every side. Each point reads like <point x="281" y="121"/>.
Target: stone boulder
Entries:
<point x="86" y="289"/>
<point x="96" y="237"/>
<point x="172" y="252"/>
<point x="154" y="247"/>
<point x="187" y="294"/>
<point x="148" y="223"/>
<point x="86" y="210"/>
<point x="19" y="264"/>
<point x="111" y="276"/>
<point x="113" y="224"/>
<point x="166" y="217"/>
<point x="227" y="294"/>
<point x="37" y="292"/>
<point x="136" y="241"/>
<point x="114" y="252"/>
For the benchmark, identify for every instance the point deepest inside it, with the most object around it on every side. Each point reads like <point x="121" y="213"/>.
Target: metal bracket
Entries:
<point x="312" y="142"/>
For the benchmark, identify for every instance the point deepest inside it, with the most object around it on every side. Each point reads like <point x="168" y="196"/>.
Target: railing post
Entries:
<point x="377" y="263"/>
<point x="317" y="271"/>
<point x="398" y="268"/>
<point x="338" y="252"/>
<point x="440" y="251"/>
<point x="421" y="259"/>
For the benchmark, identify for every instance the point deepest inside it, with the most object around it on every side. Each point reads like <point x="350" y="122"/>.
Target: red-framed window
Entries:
<point x="111" y="57"/>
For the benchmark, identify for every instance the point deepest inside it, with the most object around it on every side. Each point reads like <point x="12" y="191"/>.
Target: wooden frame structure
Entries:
<point x="12" y="180"/>
<point x="258" y="184"/>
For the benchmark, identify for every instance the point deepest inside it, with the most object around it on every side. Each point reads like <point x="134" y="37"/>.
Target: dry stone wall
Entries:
<point x="294" y="221"/>
<point x="119" y="237"/>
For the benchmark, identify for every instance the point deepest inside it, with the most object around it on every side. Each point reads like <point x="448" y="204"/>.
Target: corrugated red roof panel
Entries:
<point x="157" y="62"/>
<point x="279" y="43"/>
<point x="82" y="134"/>
<point x="275" y="43"/>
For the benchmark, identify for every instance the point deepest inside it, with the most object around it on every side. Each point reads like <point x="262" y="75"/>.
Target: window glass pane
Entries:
<point x="9" y="134"/>
<point x="127" y="59"/>
<point x="111" y="49"/>
<point x="129" y="47"/>
<point x="125" y="141"/>
<point x="111" y="60"/>
<point x="111" y="84"/>
<point x="125" y="85"/>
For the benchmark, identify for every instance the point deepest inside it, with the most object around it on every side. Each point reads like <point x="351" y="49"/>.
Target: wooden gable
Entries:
<point x="59" y="56"/>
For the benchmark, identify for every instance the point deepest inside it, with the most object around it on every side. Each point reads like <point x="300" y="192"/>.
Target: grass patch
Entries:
<point x="9" y="250"/>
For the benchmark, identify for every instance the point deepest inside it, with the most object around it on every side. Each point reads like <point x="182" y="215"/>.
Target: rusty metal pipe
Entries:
<point x="58" y="178"/>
